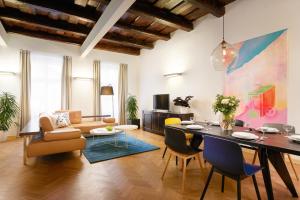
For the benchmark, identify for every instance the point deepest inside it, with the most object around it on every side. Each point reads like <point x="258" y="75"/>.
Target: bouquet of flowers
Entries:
<point x="226" y="105"/>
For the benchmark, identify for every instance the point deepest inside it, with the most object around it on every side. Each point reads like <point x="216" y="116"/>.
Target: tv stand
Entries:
<point x="154" y="121"/>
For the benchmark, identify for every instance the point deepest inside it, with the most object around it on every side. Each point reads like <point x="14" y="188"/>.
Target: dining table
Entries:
<point x="270" y="149"/>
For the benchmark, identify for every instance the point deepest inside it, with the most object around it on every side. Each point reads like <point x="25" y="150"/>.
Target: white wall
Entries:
<point x="82" y="67"/>
<point x="189" y="52"/>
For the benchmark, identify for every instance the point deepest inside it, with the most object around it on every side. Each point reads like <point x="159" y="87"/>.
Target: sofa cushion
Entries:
<point x="74" y="115"/>
<point x="86" y="126"/>
<point x="46" y="122"/>
<point x="109" y="120"/>
<point x="62" y="134"/>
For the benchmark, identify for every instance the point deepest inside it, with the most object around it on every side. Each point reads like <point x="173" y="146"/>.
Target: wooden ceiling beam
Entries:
<point x="159" y="15"/>
<point x="65" y="6"/>
<point x="58" y="38"/>
<point x="112" y="13"/>
<point x="214" y="9"/>
<point x="15" y="15"/>
<point x="3" y="36"/>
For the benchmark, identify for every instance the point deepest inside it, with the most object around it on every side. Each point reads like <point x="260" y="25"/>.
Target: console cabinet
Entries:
<point x="154" y="121"/>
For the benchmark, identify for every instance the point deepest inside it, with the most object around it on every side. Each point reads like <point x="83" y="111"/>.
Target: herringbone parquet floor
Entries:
<point x="68" y="176"/>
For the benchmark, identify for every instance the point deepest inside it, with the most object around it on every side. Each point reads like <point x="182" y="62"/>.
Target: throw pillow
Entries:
<point x="61" y="120"/>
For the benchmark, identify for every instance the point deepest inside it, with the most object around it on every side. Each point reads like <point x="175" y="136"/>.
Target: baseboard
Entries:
<point x="11" y="137"/>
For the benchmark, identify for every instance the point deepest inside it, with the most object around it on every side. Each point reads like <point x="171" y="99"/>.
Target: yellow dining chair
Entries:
<point x="176" y="121"/>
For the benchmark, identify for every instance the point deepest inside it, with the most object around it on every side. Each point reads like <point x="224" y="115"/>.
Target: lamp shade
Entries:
<point x="107" y="90"/>
<point x="223" y="55"/>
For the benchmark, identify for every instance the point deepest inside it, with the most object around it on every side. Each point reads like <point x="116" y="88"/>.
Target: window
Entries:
<point x="46" y="73"/>
<point x="110" y="76"/>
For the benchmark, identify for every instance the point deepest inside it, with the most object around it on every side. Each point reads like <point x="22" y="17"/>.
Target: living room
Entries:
<point x="112" y="65"/>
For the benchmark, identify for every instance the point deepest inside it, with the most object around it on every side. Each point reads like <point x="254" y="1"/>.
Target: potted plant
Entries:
<point x="226" y="105"/>
<point x="132" y="111"/>
<point x="9" y="109"/>
<point x="182" y="104"/>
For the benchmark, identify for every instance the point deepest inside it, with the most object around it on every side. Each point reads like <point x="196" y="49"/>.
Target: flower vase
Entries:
<point x="226" y="122"/>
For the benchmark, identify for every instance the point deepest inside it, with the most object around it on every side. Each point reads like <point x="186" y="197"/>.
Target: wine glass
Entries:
<point x="191" y="119"/>
<point x="263" y="130"/>
<point x="288" y="128"/>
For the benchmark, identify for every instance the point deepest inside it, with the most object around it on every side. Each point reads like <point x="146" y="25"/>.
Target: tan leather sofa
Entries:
<point x="57" y="140"/>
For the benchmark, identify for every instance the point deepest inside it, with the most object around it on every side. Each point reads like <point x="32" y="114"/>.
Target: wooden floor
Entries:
<point x="68" y="176"/>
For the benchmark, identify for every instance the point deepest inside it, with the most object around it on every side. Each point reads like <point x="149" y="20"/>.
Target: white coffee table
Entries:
<point x="125" y="128"/>
<point x="104" y="132"/>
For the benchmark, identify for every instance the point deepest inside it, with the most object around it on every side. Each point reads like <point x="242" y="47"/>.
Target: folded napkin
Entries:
<point x="268" y="129"/>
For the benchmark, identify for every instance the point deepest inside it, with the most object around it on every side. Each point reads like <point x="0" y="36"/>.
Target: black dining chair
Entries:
<point x="227" y="159"/>
<point x="239" y="123"/>
<point x="175" y="141"/>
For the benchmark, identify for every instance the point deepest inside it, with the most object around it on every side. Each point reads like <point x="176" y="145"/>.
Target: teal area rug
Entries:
<point x="103" y="148"/>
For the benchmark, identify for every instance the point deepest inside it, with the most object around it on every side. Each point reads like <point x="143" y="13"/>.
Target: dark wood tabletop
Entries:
<point x="278" y="142"/>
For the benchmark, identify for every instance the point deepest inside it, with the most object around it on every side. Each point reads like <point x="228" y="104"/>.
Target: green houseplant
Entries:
<point x="9" y="110"/>
<point x="132" y="111"/>
<point x="226" y="105"/>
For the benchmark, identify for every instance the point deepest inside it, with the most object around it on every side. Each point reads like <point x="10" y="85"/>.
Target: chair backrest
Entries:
<point x="224" y="155"/>
<point x="172" y="120"/>
<point x="239" y="123"/>
<point x="279" y="127"/>
<point x="175" y="140"/>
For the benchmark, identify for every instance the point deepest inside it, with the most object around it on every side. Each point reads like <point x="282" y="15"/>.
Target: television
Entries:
<point x="161" y="102"/>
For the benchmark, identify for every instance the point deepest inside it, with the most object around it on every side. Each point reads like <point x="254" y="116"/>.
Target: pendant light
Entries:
<point x="223" y="54"/>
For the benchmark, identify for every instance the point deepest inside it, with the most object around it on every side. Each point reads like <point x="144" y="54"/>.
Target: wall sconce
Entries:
<point x="7" y="73"/>
<point x="82" y="78"/>
<point x="172" y="75"/>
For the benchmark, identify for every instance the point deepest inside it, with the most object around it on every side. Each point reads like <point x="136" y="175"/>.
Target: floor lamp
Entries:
<point x="108" y="90"/>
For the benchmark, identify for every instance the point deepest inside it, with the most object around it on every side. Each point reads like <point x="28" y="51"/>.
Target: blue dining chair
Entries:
<point x="227" y="159"/>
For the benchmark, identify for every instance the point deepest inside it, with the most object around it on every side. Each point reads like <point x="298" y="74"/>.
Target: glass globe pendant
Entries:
<point x="223" y="55"/>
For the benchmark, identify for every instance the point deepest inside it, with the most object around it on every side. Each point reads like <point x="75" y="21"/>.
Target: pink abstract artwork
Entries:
<point x="258" y="77"/>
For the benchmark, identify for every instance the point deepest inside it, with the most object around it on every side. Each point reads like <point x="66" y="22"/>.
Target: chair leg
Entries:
<point x="254" y="158"/>
<point x="239" y="195"/>
<point x="162" y="177"/>
<point x="176" y="160"/>
<point x="199" y="160"/>
<point x="223" y="183"/>
<point x="165" y="152"/>
<point x="256" y="187"/>
<point x="207" y="183"/>
<point x="292" y="164"/>
<point x="184" y="174"/>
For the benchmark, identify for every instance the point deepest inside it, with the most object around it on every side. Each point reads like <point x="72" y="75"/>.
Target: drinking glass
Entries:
<point x="263" y="130"/>
<point x="191" y="119"/>
<point x="288" y="128"/>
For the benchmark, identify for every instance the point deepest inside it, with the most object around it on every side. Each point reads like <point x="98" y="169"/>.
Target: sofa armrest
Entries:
<point x="95" y="116"/>
<point x="62" y="134"/>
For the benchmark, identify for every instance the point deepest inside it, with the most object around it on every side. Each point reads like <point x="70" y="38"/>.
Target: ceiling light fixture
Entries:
<point x="223" y="54"/>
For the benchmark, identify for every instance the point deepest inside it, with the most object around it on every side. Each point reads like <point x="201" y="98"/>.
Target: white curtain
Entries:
<point x="25" y="87"/>
<point x="122" y="90"/>
<point x="66" y="84"/>
<point x="96" y="87"/>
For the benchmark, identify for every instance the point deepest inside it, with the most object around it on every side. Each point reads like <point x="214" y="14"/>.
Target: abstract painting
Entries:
<point x="258" y="77"/>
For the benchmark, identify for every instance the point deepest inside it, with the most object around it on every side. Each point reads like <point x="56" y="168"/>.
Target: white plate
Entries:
<point x="245" y="135"/>
<point x="194" y="127"/>
<point x="215" y="123"/>
<point x="294" y="137"/>
<point x="268" y="129"/>
<point x="187" y="122"/>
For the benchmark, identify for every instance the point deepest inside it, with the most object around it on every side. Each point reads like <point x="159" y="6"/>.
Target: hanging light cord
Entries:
<point x="223" y="28"/>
